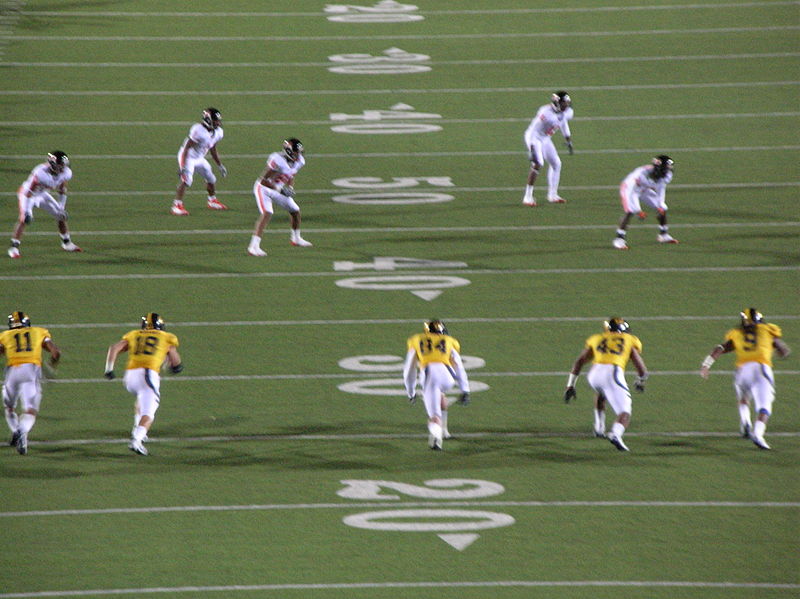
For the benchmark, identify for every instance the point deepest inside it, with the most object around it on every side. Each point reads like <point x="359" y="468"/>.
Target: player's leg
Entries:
<point x="264" y="204"/>
<point x="619" y="397"/>
<point x="186" y="175"/>
<point x="9" y="406"/>
<point x="534" y="147"/>
<point x="600" y="415"/>
<point x="630" y="206"/>
<point x="437" y="382"/>
<point x="763" y="391"/>
<point x="741" y="387"/>
<point x="295" y="238"/>
<point x="445" y="432"/>
<point x="144" y="384"/>
<point x="203" y="167"/>
<point x="663" y="227"/>
<point x="30" y="395"/>
<point x="25" y="216"/>
<point x="553" y="171"/>
<point x="59" y="212"/>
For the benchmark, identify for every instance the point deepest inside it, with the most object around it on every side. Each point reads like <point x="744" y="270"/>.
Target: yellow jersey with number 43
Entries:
<point x="24" y="345"/>
<point x="431" y="347"/>
<point x="147" y="348"/>
<point x="611" y="347"/>
<point x="754" y="344"/>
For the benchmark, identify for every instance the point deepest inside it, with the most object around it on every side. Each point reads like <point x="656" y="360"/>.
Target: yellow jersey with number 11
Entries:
<point x="147" y="348"/>
<point x="23" y="345"/>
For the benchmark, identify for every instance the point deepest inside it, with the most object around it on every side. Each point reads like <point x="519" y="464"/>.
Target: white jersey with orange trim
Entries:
<point x="203" y="140"/>
<point x="42" y="178"/>
<point x="638" y="186"/>
<point x="284" y="172"/>
<point x="547" y="121"/>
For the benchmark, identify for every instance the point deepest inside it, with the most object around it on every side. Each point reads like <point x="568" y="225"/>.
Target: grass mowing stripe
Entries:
<point x="226" y="65"/>
<point x="416" y="275"/>
<point x="428" y="90"/>
<point x="404" y="504"/>
<point x="407" y="585"/>
<point x="451" y="36"/>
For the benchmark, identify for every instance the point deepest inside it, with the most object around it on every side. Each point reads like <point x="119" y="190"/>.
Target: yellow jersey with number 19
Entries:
<point x="432" y="347"/>
<point x="23" y="345"/>
<point x="611" y="347"/>
<point x="147" y="348"/>
<point x="755" y="343"/>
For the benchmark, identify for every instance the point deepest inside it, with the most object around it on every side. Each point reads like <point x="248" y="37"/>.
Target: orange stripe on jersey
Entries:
<point x="623" y="197"/>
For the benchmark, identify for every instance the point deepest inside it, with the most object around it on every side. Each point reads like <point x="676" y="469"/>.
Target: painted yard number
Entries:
<point x="386" y="11"/>
<point x="375" y="121"/>
<point x="456" y="527"/>
<point x="374" y="191"/>
<point x="394" y="61"/>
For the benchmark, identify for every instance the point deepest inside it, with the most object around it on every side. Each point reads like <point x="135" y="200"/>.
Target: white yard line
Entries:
<point x="427" y="37"/>
<point x="395" y="92"/>
<point x="456" y="12"/>
<point x="383" y="586"/>
<point x="432" y="63"/>
<point x="506" y="272"/>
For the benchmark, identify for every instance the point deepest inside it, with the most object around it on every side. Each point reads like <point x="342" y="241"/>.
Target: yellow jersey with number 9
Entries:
<point x="23" y="345"/>
<point x="147" y="348"/>
<point x="431" y="347"/>
<point x="755" y="343"/>
<point x="611" y="347"/>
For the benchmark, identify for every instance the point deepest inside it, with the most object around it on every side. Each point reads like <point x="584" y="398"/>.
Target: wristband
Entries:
<point x="572" y="379"/>
<point x="708" y="361"/>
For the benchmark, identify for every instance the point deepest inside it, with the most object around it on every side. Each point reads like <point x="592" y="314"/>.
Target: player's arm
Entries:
<point x="461" y="376"/>
<point x="215" y="155"/>
<point x="718" y="350"/>
<point x="781" y="347"/>
<point x="584" y="357"/>
<point x="174" y="359"/>
<point x="567" y="136"/>
<point x="641" y="370"/>
<point x="410" y="374"/>
<point x="113" y="351"/>
<point x="52" y="348"/>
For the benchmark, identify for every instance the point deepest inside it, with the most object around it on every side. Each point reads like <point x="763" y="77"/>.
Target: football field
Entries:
<point x="285" y="460"/>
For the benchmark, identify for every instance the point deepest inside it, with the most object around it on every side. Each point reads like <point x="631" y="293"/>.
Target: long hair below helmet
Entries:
<point x="152" y="322"/>
<point x="435" y="326"/>
<point x="18" y="319"/>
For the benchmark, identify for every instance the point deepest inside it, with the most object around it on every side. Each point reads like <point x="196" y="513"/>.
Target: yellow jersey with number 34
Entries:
<point x="755" y="343"/>
<point x="431" y="347"/>
<point x="24" y="345"/>
<point x="611" y="347"/>
<point x="147" y="348"/>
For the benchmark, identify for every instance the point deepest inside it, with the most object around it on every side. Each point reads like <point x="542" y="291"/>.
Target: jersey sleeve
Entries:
<point x="173" y="340"/>
<point x="774" y="330"/>
<point x="636" y="344"/>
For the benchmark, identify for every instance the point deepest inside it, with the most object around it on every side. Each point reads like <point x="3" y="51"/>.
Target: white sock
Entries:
<point x="435" y="429"/>
<point x="295" y="234"/>
<point x="744" y="414"/>
<point x="177" y="202"/>
<point x="528" y="192"/>
<point x="12" y="420"/>
<point x="212" y="198"/>
<point x="26" y="422"/>
<point x="759" y="429"/>
<point x="617" y="430"/>
<point x="444" y="421"/>
<point x="255" y="241"/>
<point x="600" y="421"/>
<point x="139" y="433"/>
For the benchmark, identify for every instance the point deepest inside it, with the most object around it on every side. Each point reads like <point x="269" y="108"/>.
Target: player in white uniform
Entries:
<point x="647" y="184"/>
<point x="276" y="184"/>
<point x="50" y="175"/>
<point x="202" y="139"/>
<point x="538" y="141"/>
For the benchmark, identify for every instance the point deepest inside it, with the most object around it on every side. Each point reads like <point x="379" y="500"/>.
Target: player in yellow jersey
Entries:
<point x="148" y="348"/>
<point x="610" y="352"/>
<point x="23" y="344"/>
<point x="753" y="342"/>
<point x="436" y="355"/>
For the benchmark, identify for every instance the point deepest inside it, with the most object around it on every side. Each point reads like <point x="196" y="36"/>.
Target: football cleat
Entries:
<point x="615" y="324"/>
<point x="300" y="242"/>
<point x="178" y="209"/>
<point x="446" y="434"/>
<point x="22" y="443"/>
<point x="18" y="320"/>
<point x="152" y="322"/>
<point x="434" y="442"/>
<point x="13" y="252"/>
<point x="620" y="243"/>
<point x="256" y="252"/>
<point x="14" y="438"/>
<point x="599" y="434"/>
<point x="70" y="247"/>
<point x="215" y="204"/>
<point x="617" y="442"/>
<point x="137" y="447"/>
<point x="557" y="200"/>
<point x="751" y="317"/>
<point x="760" y="443"/>
<point x="529" y="201"/>
<point x="293" y="148"/>
<point x="745" y="430"/>
<point x="666" y="238"/>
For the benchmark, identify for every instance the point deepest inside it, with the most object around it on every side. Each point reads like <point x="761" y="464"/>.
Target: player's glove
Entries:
<point x="464" y="399"/>
<point x="412" y="399"/>
<point x="569" y="394"/>
<point x="570" y="148"/>
<point x="288" y="191"/>
<point x="109" y="374"/>
<point x="223" y="171"/>
<point x="638" y="384"/>
<point x="176" y="369"/>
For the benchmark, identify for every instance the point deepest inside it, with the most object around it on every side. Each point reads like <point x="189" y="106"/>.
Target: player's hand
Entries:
<point x="464" y="399"/>
<point x="570" y="149"/>
<point x="223" y="171"/>
<point x="642" y="215"/>
<point x="638" y="384"/>
<point x="288" y="191"/>
<point x="704" y="371"/>
<point x="109" y="374"/>
<point x="176" y="369"/>
<point x="412" y="399"/>
<point x="569" y="394"/>
<point x="184" y="174"/>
